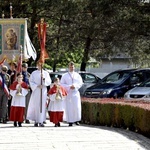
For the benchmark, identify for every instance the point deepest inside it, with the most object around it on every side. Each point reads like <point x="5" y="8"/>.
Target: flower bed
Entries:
<point x="132" y="115"/>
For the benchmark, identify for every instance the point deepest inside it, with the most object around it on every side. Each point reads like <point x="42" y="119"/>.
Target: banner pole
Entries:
<point x="41" y="89"/>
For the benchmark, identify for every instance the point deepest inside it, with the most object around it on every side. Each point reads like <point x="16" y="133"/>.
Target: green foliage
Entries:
<point x="47" y="66"/>
<point x="80" y="29"/>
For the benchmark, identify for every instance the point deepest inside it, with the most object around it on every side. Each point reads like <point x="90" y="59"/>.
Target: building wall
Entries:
<point x="108" y="66"/>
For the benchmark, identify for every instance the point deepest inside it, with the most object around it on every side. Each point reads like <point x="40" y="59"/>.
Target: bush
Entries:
<point x="132" y="115"/>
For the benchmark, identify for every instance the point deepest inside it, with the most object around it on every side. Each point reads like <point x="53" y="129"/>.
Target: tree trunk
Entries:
<point x="54" y="65"/>
<point x="86" y="54"/>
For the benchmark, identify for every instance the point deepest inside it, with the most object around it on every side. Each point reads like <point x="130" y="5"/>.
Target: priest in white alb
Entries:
<point x="37" y="104"/>
<point x="72" y="81"/>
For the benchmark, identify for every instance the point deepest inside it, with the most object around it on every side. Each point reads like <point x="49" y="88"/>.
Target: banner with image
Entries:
<point x="13" y="37"/>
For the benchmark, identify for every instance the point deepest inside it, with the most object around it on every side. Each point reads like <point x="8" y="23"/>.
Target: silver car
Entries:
<point x="141" y="92"/>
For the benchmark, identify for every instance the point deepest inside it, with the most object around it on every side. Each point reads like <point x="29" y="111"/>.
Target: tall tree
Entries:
<point x="80" y="29"/>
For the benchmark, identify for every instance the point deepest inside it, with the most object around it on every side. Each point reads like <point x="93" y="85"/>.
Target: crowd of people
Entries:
<point x="25" y="97"/>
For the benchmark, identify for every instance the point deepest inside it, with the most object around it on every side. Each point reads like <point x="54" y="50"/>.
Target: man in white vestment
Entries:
<point x="37" y="103"/>
<point x="72" y="81"/>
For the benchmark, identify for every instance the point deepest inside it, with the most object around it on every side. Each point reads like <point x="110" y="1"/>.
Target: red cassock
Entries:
<point x="56" y="107"/>
<point x="18" y="102"/>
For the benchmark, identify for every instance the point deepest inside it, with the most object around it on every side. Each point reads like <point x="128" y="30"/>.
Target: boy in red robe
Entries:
<point x="18" y="91"/>
<point x="56" y="106"/>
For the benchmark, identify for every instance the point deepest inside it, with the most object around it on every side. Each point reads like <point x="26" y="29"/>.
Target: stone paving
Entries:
<point x="83" y="137"/>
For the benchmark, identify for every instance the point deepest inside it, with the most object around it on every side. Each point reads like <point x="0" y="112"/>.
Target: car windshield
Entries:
<point x="145" y="84"/>
<point x="116" y="77"/>
<point x="53" y="76"/>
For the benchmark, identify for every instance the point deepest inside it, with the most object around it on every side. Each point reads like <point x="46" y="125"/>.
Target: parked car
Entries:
<point x="89" y="79"/>
<point x="141" y="92"/>
<point x="117" y="83"/>
<point x="54" y="75"/>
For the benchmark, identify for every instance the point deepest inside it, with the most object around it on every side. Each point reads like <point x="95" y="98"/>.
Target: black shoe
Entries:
<point x="36" y="124"/>
<point x="58" y="124"/>
<point x="15" y="124"/>
<point x="77" y="123"/>
<point x="41" y="124"/>
<point x="44" y="122"/>
<point x="27" y="121"/>
<point x="70" y="124"/>
<point x="1" y="121"/>
<point x="19" y="124"/>
<point x="4" y="121"/>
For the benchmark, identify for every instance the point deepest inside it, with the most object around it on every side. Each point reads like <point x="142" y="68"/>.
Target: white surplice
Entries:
<point x="35" y="112"/>
<point x="18" y="100"/>
<point x="73" y="100"/>
<point x="55" y="105"/>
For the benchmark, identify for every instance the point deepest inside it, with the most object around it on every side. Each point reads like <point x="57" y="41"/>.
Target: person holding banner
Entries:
<point x="37" y="103"/>
<point x="4" y="93"/>
<point x="26" y="76"/>
<point x="13" y="73"/>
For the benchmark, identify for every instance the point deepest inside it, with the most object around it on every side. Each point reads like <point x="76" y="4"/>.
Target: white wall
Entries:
<point x="109" y="66"/>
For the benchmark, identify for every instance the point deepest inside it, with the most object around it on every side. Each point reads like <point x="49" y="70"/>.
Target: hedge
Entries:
<point x="132" y="115"/>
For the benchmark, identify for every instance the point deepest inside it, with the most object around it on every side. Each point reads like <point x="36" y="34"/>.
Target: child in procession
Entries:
<point x="56" y="106"/>
<point x="18" y="91"/>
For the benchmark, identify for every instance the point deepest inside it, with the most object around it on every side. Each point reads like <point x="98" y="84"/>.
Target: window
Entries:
<point x="88" y="78"/>
<point x="116" y="77"/>
<point x="137" y="78"/>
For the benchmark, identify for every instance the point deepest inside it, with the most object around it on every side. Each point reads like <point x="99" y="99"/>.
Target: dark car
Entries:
<point x="89" y="79"/>
<point x="54" y="75"/>
<point x="117" y="83"/>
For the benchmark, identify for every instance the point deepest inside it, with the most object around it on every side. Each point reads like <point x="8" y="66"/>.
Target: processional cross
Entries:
<point x="43" y="55"/>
